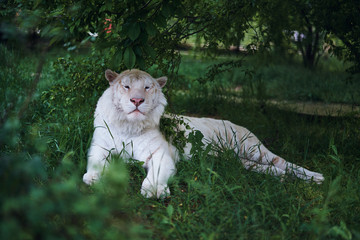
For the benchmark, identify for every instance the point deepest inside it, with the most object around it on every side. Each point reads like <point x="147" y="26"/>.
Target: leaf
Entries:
<point x="333" y="147"/>
<point x="170" y="210"/>
<point x="36" y="3"/>
<point x="72" y="29"/>
<point x="151" y="29"/>
<point x="129" y="58"/>
<point x="143" y="38"/>
<point x="56" y="32"/>
<point x="137" y="51"/>
<point x="165" y="11"/>
<point x="57" y="12"/>
<point x="149" y="51"/>
<point x="117" y="58"/>
<point x="140" y="62"/>
<point x="341" y="230"/>
<point x="106" y="7"/>
<point x="134" y="31"/>
<point x="160" y="20"/>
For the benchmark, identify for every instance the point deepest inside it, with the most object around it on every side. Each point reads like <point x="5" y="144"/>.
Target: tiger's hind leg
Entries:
<point x="291" y="168"/>
<point x="255" y="156"/>
<point x="265" y="161"/>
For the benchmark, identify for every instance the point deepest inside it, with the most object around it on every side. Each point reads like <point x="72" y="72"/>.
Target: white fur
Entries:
<point x="121" y="130"/>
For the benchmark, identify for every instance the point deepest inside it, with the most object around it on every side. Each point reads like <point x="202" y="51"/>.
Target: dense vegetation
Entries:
<point x="44" y="156"/>
<point x="140" y="33"/>
<point x="284" y="51"/>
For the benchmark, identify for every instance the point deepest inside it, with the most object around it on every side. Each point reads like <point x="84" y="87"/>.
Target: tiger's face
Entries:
<point x="137" y="95"/>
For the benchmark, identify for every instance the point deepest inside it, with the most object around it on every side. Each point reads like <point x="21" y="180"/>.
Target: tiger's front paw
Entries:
<point x="91" y="177"/>
<point x="149" y="190"/>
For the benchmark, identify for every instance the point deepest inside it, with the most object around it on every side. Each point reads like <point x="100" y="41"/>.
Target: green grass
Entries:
<point x="281" y="79"/>
<point x="43" y="157"/>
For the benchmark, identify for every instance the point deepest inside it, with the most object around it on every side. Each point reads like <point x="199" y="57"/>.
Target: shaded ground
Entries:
<point x="319" y="108"/>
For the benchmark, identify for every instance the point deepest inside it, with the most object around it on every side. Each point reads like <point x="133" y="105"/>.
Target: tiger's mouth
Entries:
<point x="136" y="110"/>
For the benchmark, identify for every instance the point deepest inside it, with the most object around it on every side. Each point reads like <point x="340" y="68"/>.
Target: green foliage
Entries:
<point x="257" y="77"/>
<point x="16" y="77"/>
<point x="216" y="69"/>
<point x="43" y="158"/>
<point x="85" y="82"/>
<point x="143" y="33"/>
<point x="343" y="23"/>
<point x="289" y="27"/>
<point x="42" y="195"/>
<point x="34" y="206"/>
<point x="288" y="81"/>
<point x="170" y="126"/>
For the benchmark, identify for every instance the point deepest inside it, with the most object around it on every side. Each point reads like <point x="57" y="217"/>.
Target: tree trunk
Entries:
<point x="309" y="47"/>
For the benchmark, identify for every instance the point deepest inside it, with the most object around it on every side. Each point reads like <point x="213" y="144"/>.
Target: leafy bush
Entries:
<point x="42" y="195"/>
<point x="67" y="107"/>
<point x="85" y="83"/>
<point x="15" y="78"/>
<point x="34" y="206"/>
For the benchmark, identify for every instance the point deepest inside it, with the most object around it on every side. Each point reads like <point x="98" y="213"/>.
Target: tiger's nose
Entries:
<point x="137" y="101"/>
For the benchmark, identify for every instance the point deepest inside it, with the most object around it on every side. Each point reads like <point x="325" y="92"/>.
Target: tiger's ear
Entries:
<point x="162" y="81"/>
<point x="110" y="75"/>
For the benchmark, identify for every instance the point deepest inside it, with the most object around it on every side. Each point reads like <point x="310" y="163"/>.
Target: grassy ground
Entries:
<point x="44" y="156"/>
<point x="281" y="79"/>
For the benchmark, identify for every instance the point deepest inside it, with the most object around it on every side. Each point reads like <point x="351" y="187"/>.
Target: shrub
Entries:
<point x="34" y="206"/>
<point x="85" y="82"/>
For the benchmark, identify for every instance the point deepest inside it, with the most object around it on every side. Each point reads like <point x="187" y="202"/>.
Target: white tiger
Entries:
<point x="127" y="120"/>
